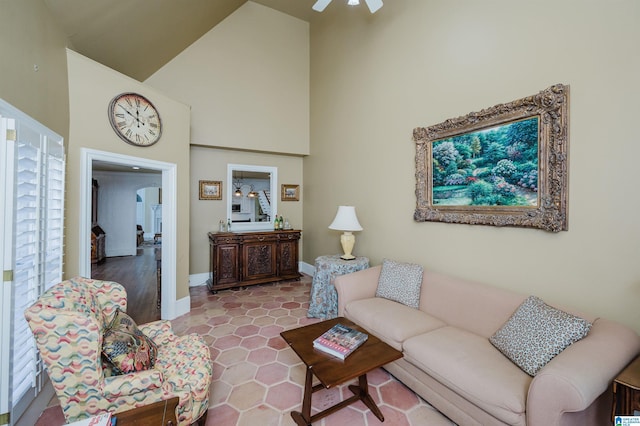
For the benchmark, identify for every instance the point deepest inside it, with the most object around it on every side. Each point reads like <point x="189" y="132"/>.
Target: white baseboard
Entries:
<point x="306" y="268"/>
<point x="196" y="280"/>
<point x="183" y="306"/>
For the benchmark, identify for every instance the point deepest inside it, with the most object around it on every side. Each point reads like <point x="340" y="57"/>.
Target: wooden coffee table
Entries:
<point x="332" y="371"/>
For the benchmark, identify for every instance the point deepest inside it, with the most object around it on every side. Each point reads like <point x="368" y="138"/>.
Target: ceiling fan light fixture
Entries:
<point x="373" y="5"/>
<point x="320" y="5"/>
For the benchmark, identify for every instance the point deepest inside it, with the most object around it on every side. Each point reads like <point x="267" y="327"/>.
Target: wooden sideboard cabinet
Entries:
<point x="239" y="259"/>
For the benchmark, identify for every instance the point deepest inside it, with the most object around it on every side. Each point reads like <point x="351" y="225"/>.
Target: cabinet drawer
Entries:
<point x="225" y="239"/>
<point x="259" y="238"/>
<point x="289" y="236"/>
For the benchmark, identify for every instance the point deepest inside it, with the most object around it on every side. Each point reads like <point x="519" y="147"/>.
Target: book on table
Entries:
<point x="340" y="341"/>
<point x="103" y="419"/>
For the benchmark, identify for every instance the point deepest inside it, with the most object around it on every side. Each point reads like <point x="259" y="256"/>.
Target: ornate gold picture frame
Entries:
<point x="503" y="166"/>
<point x="290" y="192"/>
<point x="210" y="190"/>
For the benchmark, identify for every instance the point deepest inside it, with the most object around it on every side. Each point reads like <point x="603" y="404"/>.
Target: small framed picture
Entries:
<point x="290" y="192"/>
<point x="210" y="190"/>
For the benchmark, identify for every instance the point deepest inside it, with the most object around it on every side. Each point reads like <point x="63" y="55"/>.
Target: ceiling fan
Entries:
<point x="373" y="5"/>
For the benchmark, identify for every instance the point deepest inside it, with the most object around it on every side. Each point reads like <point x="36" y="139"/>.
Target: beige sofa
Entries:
<point x="449" y="361"/>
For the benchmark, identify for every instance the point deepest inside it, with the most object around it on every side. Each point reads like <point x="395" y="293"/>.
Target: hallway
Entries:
<point x="138" y="276"/>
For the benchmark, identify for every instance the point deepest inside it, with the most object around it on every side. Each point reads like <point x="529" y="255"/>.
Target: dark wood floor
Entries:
<point x="138" y="276"/>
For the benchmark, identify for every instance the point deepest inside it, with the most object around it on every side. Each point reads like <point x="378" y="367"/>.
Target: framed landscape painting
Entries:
<point x="505" y="166"/>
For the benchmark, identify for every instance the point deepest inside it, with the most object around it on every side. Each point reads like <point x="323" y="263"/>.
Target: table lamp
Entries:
<point x="347" y="221"/>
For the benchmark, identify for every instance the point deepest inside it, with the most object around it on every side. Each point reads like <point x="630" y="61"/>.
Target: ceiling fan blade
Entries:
<point x="320" y="5"/>
<point x="373" y="5"/>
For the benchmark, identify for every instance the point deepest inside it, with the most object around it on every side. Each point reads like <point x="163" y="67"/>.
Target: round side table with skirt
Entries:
<point x="324" y="298"/>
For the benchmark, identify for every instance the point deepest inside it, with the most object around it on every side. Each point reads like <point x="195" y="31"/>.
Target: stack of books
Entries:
<point x="340" y="341"/>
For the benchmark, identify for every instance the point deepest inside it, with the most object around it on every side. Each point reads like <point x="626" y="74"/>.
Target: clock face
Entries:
<point x="135" y="119"/>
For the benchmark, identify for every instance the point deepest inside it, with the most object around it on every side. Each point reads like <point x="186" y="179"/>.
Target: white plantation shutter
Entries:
<point x="33" y="164"/>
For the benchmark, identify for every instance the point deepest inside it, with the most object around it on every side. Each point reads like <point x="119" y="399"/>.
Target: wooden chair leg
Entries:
<point x="202" y="421"/>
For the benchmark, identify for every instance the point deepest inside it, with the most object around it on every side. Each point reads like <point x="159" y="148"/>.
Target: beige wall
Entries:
<point x="28" y="38"/>
<point x="373" y="79"/>
<point x="247" y="82"/>
<point x="211" y="164"/>
<point x="417" y="63"/>
<point x="91" y="88"/>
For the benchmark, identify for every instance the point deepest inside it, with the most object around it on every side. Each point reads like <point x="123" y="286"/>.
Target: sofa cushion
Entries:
<point x="400" y="282"/>
<point x="125" y="347"/>
<point x="390" y="321"/>
<point x="469" y="365"/>
<point x="474" y="306"/>
<point x="537" y="332"/>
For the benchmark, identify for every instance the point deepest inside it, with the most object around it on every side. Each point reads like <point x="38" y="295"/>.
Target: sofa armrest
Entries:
<point x="357" y="285"/>
<point x="131" y="383"/>
<point x="573" y="380"/>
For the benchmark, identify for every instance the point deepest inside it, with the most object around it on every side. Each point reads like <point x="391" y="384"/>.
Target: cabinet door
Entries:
<point x="288" y="257"/>
<point x="225" y="266"/>
<point x="259" y="260"/>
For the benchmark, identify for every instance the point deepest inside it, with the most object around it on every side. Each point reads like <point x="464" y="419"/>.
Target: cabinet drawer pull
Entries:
<point x="260" y="238"/>
<point x="227" y="240"/>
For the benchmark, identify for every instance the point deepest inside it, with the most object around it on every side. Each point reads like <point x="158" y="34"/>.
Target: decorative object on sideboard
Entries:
<point x="504" y="166"/>
<point x="210" y="190"/>
<point x="346" y="221"/>
<point x="290" y="192"/>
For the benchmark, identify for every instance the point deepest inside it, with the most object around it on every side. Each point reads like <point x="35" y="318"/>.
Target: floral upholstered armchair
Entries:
<point x="99" y="360"/>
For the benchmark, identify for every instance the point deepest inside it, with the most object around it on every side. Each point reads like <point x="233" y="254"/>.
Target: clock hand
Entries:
<point x="128" y="112"/>
<point x="138" y="117"/>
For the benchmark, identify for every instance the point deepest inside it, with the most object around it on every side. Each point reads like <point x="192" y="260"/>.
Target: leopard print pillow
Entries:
<point x="537" y="332"/>
<point x="400" y="282"/>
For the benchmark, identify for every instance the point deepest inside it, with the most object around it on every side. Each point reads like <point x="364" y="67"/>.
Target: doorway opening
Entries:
<point x="149" y="214"/>
<point x="167" y="210"/>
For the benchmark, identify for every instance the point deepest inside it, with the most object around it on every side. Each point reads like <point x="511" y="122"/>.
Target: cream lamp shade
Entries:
<point x="346" y="221"/>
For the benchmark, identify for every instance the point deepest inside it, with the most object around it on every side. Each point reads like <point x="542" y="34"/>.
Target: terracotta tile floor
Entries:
<point x="258" y="379"/>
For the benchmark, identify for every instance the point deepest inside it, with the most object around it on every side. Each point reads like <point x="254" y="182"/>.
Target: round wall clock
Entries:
<point x="135" y="119"/>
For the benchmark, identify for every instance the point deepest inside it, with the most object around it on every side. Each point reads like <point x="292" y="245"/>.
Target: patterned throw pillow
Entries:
<point x="125" y="347"/>
<point x="400" y="282"/>
<point x="537" y="332"/>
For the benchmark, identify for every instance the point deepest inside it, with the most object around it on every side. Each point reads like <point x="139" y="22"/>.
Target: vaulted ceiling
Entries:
<point x="137" y="37"/>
